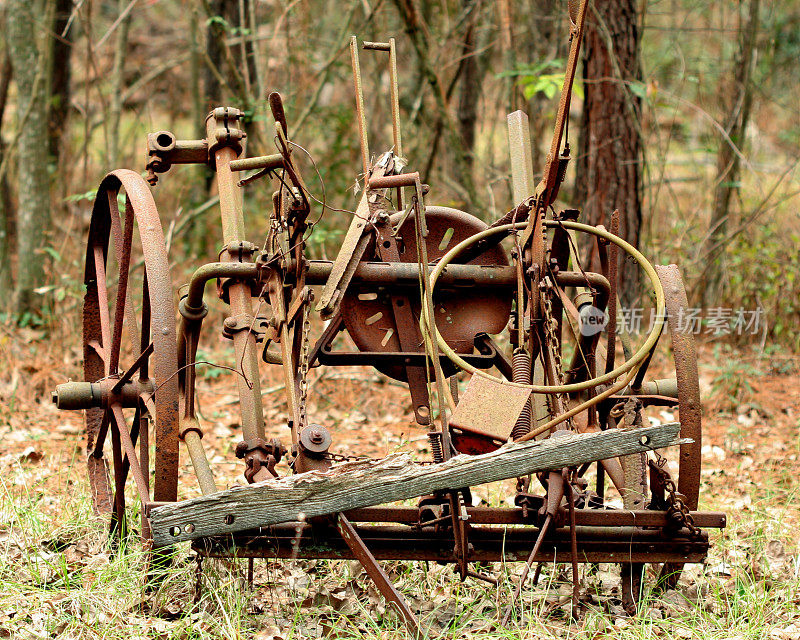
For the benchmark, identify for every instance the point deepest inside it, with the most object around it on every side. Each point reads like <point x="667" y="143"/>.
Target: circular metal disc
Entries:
<point x="461" y="312"/>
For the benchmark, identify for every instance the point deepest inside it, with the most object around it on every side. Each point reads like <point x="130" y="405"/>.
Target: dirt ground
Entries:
<point x="59" y="578"/>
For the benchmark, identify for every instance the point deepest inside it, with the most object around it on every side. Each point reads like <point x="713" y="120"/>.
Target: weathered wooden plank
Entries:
<point x="361" y="484"/>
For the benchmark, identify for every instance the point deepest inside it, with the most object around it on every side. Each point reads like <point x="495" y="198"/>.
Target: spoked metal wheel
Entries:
<point x="683" y="393"/>
<point x="687" y="381"/>
<point x="646" y="484"/>
<point x="130" y="356"/>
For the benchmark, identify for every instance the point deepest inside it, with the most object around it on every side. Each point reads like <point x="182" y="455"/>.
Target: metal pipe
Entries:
<point x="467" y="275"/>
<point x="239" y="294"/>
<point x="88" y="395"/>
<point x="396" y="273"/>
<point x="213" y="270"/>
<point x="192" y="438"/>
<point x="407" y="273"/>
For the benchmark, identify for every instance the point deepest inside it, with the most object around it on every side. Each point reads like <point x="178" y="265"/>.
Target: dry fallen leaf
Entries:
<point x="31" y="454"/>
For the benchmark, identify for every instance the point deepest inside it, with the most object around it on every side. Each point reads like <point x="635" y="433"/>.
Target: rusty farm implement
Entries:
<point x="427" y="295"/>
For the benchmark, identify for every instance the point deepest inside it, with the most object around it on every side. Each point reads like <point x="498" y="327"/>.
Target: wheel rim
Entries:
<point x="152" y="345"/>
<point x="686" y="374"/>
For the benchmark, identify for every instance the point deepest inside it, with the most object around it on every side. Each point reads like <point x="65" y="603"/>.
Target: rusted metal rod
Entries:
<point x="378" y="575"/>
<point x="395" y="181"/>
<point x="515" y="516"/>
<point x="531" y="558"/>
<point x="492" y="544"/>
<point x="177" y="151"/>
<point x="274" y="161"/>
<point x="398" y="273"/>
<point x="407" y="273"/>
<point x="192" y="438"/>
<point x="376" y="46"/>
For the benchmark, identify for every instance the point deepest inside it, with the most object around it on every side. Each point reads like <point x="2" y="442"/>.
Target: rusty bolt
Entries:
<point x="315" y="440"/>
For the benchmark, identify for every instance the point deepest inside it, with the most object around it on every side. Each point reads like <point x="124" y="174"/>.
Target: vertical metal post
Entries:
<point x="239" y="293"/>
<point x="396" y="139"/>
<point x="523" y="186"/>
<point x="395" y="95"/>
<point x="519" y="148"/>
<point x="144" y="461"/>
<point x="362" y="118"/>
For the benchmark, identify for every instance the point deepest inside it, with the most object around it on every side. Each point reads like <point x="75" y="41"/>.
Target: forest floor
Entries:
<point x="58" y="577"/>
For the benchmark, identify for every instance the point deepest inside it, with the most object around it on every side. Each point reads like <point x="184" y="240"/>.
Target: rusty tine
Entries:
<point x="518" y="591"/>
<point x="573" y="538"/>
<point x="378" y="575"/>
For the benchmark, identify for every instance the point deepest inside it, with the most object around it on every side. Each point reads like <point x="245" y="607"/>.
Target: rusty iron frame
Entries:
<point x="393" y="253"/>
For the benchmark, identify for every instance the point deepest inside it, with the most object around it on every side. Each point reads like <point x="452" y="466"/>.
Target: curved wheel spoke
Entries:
<point x="123" y="309"/>
<point x="97" y="427"/>
<point x="135" y="433"/>
<point x="100" y="438"/>
<point x="144" y="339"/>
<point x="130" y="453"/>
<point x="102" y="299"/>
<point x="149" y="404"/>
<point x="118" y="520"/>
<point x="98" y="349"/>
<point x="139" y="363"/>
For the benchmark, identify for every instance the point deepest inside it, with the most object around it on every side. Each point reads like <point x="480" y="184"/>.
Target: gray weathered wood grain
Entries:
<point x="365" y="483"/>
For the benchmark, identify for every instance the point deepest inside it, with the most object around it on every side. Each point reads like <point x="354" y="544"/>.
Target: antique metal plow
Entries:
<point x="429" y="296"/>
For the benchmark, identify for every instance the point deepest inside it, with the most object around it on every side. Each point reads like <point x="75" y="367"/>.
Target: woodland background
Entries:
<point x="686" y="118"/>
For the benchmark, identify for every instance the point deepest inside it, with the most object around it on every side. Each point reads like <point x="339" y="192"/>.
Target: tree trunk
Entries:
<point x="415" y="28"/>
<point x="6" y="231"/>
<point x="610" y="156"/>
<point x="738" y="99"/>
<point x="60" y="76"/>
<point x="550" y="43"/>
<point x="466" y="78"/>
<point x="33" y="221"/>
<point x="195" y="57"/>
<point x="470" y="90"/>
<point x="505" y="18"/>
<point x="217" y="9"/>
<point x="6" y="213"/>
<point x="224" y="61"/>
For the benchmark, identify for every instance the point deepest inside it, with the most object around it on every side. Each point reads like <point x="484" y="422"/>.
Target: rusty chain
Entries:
<point x="677" y="511"/>
<point x="301" y="411"/>
<point x="550" y="326"/>
<point x="343" y="457"/>
<point x="553" y="343"/>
